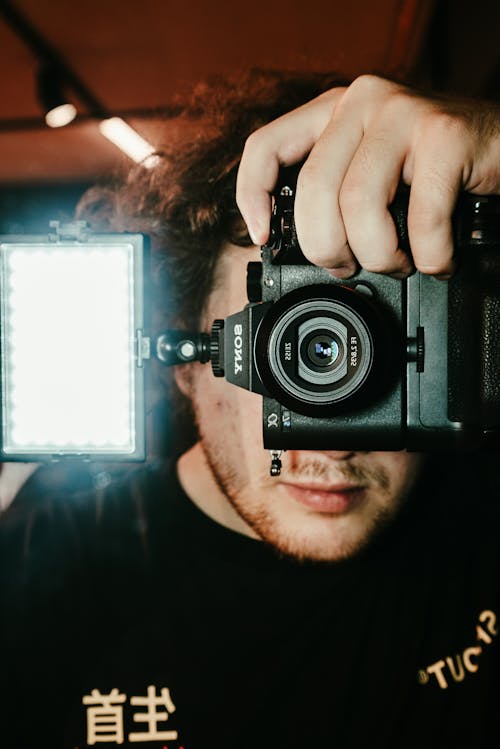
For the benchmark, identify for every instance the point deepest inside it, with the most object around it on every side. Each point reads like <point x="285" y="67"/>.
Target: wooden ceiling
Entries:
<point x="137" y="56"/>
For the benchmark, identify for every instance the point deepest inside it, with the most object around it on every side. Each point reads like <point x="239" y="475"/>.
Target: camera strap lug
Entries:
<point x="275" y="469"/>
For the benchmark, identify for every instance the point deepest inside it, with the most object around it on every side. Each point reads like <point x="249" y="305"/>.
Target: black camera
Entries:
<point x="370" y="363"/>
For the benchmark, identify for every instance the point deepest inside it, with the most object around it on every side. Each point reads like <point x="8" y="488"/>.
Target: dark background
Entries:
<point x="137" y="59"/>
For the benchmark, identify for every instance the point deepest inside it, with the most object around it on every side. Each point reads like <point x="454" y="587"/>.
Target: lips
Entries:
<point x="334" y="499"/>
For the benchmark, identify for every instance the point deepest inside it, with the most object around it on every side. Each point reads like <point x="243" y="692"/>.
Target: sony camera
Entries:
<point x="371" y="362"/>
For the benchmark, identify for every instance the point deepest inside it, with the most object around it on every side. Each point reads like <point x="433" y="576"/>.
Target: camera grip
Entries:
<point x="474" y="335"/>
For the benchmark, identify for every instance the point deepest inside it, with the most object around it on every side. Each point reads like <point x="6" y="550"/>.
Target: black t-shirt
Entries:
<point x="130" y="618"/>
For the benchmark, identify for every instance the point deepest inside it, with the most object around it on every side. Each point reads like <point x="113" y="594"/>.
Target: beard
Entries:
<point x="328" y="538"/>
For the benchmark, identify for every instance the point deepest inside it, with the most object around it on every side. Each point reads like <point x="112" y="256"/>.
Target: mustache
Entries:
<point x="348" y="470"/>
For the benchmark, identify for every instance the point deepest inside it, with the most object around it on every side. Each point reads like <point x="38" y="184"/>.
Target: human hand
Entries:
<point x="360" y="143"/>
<point x="12" y="478"/>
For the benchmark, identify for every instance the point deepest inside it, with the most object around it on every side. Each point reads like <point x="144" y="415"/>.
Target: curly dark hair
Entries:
<point x="186" y="203"/>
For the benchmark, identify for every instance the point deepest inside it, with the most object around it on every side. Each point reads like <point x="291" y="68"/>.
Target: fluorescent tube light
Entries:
<point x="129" y="141"/>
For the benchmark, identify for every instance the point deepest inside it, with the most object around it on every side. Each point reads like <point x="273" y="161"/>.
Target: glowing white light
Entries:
<point x="68" y="348"/>
<point x="129" y="141"/>
<point x="61" y="115"/>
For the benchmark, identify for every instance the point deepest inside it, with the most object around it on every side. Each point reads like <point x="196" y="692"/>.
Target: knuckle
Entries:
<point x="368" y="83"/>
<point x="401" y="104"/>
<point x="381" y="92"/>
<point x="444" y="126"/>
<point x="254" y="140"/>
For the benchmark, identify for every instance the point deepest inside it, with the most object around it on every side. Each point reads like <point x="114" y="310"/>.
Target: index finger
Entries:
<point x="283" y="142"/>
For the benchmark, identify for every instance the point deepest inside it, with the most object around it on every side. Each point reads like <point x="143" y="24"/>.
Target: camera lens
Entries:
<point x="315" y="347"/>
<point x="322" y="350"/>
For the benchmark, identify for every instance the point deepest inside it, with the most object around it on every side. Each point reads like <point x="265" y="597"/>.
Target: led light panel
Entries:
<point x="70" y="316"/>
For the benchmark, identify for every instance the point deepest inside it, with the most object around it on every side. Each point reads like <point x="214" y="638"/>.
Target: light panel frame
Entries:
<point x="136" y="248"/>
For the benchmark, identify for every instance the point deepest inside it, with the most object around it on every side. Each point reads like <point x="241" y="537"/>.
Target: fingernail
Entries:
<point x="253" y="236"/>
<point x="255" y="233"/>
<point x="258" y="233"/>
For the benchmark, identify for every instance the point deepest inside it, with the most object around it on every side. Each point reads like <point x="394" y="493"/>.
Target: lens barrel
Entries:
<point x="321" y="347"/>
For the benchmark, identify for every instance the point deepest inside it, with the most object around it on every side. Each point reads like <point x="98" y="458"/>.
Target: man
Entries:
<point x="352" y="601"/>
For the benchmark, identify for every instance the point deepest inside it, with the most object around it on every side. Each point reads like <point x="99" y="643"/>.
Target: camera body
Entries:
<point x="371" y="362"/>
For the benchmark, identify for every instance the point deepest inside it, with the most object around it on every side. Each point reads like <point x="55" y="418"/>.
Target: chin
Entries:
<point x="332" y="538"/>
<point x="316" y="552"/>
<point x="310" y="543"/>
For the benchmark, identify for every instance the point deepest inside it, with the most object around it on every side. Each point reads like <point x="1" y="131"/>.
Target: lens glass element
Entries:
<point x="322" y="350"/>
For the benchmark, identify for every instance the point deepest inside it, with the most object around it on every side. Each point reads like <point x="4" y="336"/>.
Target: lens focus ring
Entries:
<point x="315" y="348"/>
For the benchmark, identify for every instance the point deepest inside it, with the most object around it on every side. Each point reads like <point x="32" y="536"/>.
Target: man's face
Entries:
<point x="325" y="505"/>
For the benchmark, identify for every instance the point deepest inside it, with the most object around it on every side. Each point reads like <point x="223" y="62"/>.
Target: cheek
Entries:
<point x="225" y="409"/>
<point x="401" y="467"/>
